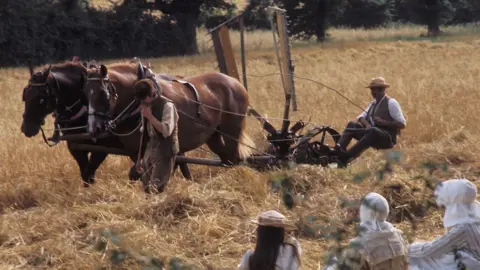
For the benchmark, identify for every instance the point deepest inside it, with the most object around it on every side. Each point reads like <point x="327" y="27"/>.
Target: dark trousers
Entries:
<point x="157" y="169"/>
<point x="374" y="137"/>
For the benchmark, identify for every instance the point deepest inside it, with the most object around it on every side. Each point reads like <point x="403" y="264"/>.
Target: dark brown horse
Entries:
<point x="58" y="89"/>
<point x="222" y="106"/>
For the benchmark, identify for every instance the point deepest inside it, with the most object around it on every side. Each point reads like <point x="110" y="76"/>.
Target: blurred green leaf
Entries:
<point x="118" y="256"/>
<point x="288" y="200"/>
<point x="311" y="218"/>
<point x="394" y="156"/>
<point x="157" y="262"/>
<point x="100" y="245"/>
<point x="175" y="264"/>
<point x="360" y="177"/>
<point x="112" y="236"/>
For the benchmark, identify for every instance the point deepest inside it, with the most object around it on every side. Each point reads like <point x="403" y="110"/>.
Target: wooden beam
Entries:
<point x="81" y="136"/>
<point x="217" y="44"/>
<point x="242" y="52"/>
<point x="224" y="52"/>
<point x="216" y="162"/>
<point x="228" y="52"/>
<point x="286" y="62"/>
<point x="96" y="148"/>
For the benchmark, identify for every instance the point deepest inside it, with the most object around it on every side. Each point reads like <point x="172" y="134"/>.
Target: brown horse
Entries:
<point x="217" y="118"/>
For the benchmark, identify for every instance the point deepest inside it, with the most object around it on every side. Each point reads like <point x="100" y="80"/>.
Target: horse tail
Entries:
<point x="245" y="142"/>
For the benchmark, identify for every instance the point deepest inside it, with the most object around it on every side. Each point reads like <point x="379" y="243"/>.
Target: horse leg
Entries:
<point x="238" y="145"/>
<point x="81" y="157"/>
<point x="96" y="159"/>
<point x="183" y="168"/>
<point x="217" y="145"/>
<point x="133" y="175"/>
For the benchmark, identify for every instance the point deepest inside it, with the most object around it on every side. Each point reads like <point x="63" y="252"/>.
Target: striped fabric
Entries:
<point x="438" y="254"/>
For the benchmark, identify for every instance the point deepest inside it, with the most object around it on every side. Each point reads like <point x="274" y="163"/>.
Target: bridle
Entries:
<point x="111" y="121"/>
<point x="53" y="103"/>
<point x="110" y="90"/>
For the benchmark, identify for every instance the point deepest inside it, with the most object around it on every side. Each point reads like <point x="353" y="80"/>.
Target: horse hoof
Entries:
<point x="133" y="175"/>
<point x="89" y="182"/>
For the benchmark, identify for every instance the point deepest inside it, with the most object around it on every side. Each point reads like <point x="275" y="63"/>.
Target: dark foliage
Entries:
<point x="45" y="31"/>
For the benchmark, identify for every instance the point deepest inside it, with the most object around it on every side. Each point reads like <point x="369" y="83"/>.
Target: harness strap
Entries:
<point x="195" y="91"/>
<point x="46" y="140"/>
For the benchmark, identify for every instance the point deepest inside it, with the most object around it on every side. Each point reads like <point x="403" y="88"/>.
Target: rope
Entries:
<point x="126" y="134"/>
<point x="311" y="80"/>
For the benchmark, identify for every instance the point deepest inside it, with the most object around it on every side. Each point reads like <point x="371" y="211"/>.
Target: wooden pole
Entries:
<point x="217" y="44"/>
<point x="96" y="148"/>
<point x="224" y="52"/>
<point x="287" y="68"/>
<point x="224" y="23"/>
<point x="228" y="52"/>
<point x="242" y="49"/>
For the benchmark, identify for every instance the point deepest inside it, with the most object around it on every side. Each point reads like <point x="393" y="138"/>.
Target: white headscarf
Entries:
<point x="459" y="198"/>
<point x="374" y="211"/>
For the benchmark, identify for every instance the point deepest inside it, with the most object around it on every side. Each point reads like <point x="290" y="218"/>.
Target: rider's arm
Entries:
<point x="169" y="119"/>
<point x="364" y="122"/>
<point x="456" y="237"/>
<point x="362" y="118"/>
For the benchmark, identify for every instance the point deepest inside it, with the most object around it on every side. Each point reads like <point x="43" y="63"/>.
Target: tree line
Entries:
<point x="42" y="31"/>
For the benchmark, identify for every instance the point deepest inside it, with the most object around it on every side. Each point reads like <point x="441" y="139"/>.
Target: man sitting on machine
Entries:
<point x="376" y="127"/>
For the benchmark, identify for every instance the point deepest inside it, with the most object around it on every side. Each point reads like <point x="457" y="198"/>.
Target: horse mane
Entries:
<point x="124" y="67"/>
<point x="64" y="65"/>
<point x="117" y="70"/>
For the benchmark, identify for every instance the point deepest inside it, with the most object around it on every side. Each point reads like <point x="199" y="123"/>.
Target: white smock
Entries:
<point x="379" y="240"/>
<point x="462" y="220"/>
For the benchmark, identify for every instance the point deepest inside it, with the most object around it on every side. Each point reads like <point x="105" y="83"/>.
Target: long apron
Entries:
<point x="157" y="167"/>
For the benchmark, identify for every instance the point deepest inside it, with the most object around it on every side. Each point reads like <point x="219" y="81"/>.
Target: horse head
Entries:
<point x="57" y="89"/>
<point x="102" y="96"/>
<point x="39" y="101"/>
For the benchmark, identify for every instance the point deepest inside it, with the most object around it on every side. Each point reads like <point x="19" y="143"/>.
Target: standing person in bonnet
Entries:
<point x="381" y="245"/>
<point x="272" y="251"/>
<point x="161" y="125"/>
<point x="462" y="220"/>
<point x="377" y="127"/>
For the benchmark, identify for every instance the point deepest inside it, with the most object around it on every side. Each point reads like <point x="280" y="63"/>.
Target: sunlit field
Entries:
<point x="50" y="221"/>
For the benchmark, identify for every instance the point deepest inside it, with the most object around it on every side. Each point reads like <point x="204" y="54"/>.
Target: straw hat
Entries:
<point x="378" y="82"/>
<point x="274" y="219"/>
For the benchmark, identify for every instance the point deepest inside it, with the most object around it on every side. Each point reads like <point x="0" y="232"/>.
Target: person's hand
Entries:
<point x="380" y="121"/>
<point x="146" y="112"/>
<point x="138" y="167"/>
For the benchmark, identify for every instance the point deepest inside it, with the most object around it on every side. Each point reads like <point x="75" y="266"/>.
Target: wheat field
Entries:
<point x="49" y="221"/>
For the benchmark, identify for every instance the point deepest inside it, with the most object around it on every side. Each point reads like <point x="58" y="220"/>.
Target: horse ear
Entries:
<point x="103" y="71"/>
<point x="30" y="68"/>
